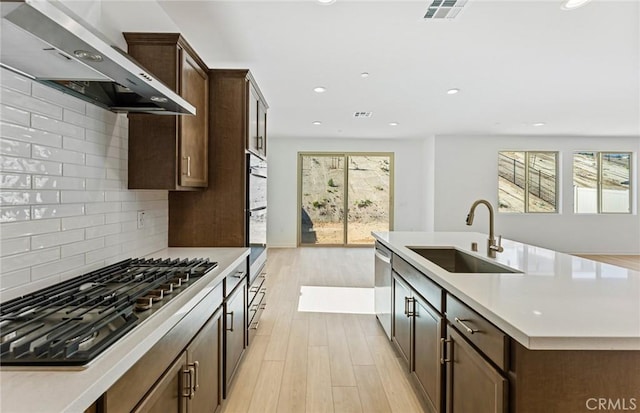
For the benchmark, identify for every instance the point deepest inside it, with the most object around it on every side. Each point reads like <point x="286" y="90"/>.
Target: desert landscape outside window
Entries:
<point x="602" y="182"/>
<point x="527" y="181"/>
<point x="342" y="197"/>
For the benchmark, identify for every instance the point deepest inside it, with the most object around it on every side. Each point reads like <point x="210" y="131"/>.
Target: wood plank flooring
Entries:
<point x="627" y="261"/>
<point x="319" y="362"/>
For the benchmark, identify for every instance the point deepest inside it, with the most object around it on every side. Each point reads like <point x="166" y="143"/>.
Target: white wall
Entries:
<point x="466" y="170"/>
<point x="411" y="192"/>
<point x="64" y="204"/>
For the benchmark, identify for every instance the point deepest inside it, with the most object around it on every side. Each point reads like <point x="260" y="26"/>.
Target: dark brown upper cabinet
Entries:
<point x="257" y="128"/>
<point x="170" y="152"/>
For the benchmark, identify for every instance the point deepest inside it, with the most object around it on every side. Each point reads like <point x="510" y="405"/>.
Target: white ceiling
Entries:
<point x="516" y="63"/>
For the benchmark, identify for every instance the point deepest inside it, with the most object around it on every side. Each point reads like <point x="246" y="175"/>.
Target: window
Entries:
<point x="527" y="182"/>
<point x="601" y="182"/>
<point x="343" y="197"/>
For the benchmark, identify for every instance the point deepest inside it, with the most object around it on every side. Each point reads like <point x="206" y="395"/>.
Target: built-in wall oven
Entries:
<point x="257" y="209"/>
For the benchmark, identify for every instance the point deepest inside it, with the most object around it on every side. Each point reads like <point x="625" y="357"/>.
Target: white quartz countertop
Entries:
<point x="32" y="390"/>
<point x="558" y="302"/>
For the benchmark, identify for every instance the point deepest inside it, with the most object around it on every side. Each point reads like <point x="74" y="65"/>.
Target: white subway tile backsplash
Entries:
<point x="22" y="229"/>
<point x="13" y="164"/>
<point x="83" y="171"/>
<point x="14" y="214"/>
<point x="70" y="197"/>
<point x="12" y="80"/>
<point x="102" y="207"/>
<point x="28" y="259"/>
<point x="14" y="246"/>
<point x="65" y="202"/>
<point x="56" y="126"/>
<point x="56" y="211"/>
<point x="57" y="97"/>
<point x="28" y="103"/>
<point x="8" y="198"/>
<point x="82" y="246"/>
<point x="15" y="181"/>
<point x="57" y="238"/>
<point x="57" y="182"/>
<point x="14" y="115"/>
<point x="15" y="148"/>
<point x="55" y="154"/>
<point x="82" y="222"/>
<point x="64" y="264"/>
<point x="13" y="279"/>
<point x="27" y="134"/>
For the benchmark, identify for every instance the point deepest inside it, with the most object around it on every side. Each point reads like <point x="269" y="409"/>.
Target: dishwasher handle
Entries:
<point x="383" y="257"/>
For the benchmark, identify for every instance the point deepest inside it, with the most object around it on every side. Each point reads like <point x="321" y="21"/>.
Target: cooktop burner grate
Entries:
<point x="72" y="322"/>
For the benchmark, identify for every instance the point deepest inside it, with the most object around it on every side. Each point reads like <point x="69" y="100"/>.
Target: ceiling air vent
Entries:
<point x="362" y="114"/>
<point x="445" y="9"/>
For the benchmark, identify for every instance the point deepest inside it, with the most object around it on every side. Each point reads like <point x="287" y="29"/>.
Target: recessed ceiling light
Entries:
<point x="452" y="91"/>
<point x="364" y="75"/>
<point x="393" y="123"/>
<point x="316" y="122"/>
<point x="539" y="124"/>
<point x="320" y="89"/>
<point x="574" y="4"/>
<point x="326" y="2"/>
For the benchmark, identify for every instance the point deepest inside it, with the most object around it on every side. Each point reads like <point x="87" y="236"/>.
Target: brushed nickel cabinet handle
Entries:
<point x="196" y="368"/>
<point x="238" y="274"/>
<point x="254" y="325"/>
<point x="411" y="311"/>
<point x="188" y="166"/>
<point x="466" y="327"/>
<point x="406" y="306"/>
<point x="186" y="389"/>
<point x="254" y="289"/>
<point x="263" y="306"/>
<point x="443" y="344"/>
<point x="231" y="314"/>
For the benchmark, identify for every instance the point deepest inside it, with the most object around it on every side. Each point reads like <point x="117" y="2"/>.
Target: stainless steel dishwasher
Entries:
<point x="383" y="293"/>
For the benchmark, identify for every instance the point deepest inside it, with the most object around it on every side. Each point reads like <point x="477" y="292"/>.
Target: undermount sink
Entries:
<point x="456" y="261"/>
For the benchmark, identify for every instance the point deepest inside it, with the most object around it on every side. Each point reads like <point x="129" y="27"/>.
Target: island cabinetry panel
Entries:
<point x="473" y="384"/>
<point x="418" y="331"/>
<point x="170" y="152"/>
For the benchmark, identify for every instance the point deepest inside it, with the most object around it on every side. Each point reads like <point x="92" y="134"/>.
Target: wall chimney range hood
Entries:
<point x="46" y="42"/>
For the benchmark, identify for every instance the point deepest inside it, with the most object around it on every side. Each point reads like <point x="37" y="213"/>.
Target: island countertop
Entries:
<point x="557" y="302"/>
<point x="33" y="389"/>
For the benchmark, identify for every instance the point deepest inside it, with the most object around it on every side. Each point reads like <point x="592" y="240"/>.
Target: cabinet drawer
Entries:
<point x="255" y="312"/>
<point x="255" y="287"/>
<point x="419" y="282"/>
<point x="233" y="279"/>
<point x="480" y="332"/>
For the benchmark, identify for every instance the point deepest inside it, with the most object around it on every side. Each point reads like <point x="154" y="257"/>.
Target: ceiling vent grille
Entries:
<point x="362" y="114"/>
<point x="445" y="9"/>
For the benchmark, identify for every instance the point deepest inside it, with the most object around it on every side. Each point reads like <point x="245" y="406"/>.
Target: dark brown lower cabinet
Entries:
<point x="427" y="364"/>
<point x="401" y="320"/>
<point x="192" y="383"/>
<point x="234" y="331"/>
<point x="473" y="385"/>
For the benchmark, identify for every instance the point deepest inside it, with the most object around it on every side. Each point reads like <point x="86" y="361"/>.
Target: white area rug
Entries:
<point x="336" y="300"/>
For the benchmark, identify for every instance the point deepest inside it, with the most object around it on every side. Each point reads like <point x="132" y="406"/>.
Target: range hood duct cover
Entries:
<point x="46" y="42"/>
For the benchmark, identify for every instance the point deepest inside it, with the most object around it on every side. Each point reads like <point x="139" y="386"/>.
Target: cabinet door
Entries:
<point x="252" y="119"/>
<point x="401" y="319"/>
<point x="204" y="358"/>
<point x="427" y="366"/>
<point x="261" y="141"/>
<point x="473" y="385"/>
<point x="168" y="394"/>
<point x="194" y="136"/>
<point x="235" y="328"/>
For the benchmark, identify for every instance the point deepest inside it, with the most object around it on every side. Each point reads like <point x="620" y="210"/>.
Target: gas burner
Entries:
<point x="72" y="322"/>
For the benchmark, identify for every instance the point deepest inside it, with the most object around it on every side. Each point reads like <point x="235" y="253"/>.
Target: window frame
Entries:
<point x="599" y="183"/>
<point x="527" y="168"/>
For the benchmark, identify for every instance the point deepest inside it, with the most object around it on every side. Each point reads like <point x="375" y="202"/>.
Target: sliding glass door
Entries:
<point x="342" y="197"/>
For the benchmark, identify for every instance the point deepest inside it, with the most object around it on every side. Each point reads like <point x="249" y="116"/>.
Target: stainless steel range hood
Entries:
<point x="45" y="41"/>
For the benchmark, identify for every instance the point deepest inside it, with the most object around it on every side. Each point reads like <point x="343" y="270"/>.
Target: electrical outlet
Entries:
<point x="141" y="215"/>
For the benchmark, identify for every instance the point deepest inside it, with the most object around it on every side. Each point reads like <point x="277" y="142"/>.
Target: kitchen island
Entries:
<point x="74" y="389"/>
<point x="558" y="334"/>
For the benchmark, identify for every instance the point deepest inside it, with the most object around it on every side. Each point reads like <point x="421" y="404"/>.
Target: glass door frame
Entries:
<point x="346" y="156"/>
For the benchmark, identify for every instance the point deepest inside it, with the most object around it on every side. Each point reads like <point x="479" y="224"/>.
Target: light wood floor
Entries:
<point x="627" y="261"/>
<point x="319" y="362"/>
